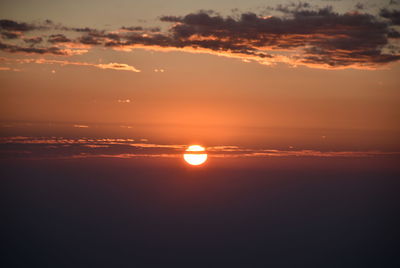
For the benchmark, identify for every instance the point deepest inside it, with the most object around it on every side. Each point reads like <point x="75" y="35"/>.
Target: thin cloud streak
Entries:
<point x="9" y="69"/>
<point x="42" y="147"/>
<point x="10" y="48"/>
<point x="104" y="66"/>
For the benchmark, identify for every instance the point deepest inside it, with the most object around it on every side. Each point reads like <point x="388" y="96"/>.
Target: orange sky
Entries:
<point x="172" y="96"/>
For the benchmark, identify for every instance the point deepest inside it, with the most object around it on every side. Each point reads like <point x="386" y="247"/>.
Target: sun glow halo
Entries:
<point x="195" y="155"/>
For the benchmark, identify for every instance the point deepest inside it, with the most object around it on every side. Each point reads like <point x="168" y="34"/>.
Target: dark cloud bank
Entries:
<point x="318" y="38"/>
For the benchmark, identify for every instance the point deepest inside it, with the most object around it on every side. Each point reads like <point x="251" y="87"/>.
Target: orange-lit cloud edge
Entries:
<point x="60" y="148"/>
<point x="110" y="66"/>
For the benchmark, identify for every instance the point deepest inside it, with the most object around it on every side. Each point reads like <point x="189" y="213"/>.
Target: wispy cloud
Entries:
<point x="9" y="69"/>
<point x="117" y="66"/>
<point x="81" y="126"/>
<point x="109" y="66"/>
<point x="10" y="48"/>
<point x="124" y="101"/>
<point x="38" y="147"/>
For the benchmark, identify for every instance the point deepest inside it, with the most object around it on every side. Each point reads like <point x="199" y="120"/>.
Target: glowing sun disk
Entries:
<point x="193" y="157"/>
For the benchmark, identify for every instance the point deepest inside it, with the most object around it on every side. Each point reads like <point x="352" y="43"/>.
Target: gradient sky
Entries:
<point x="297" y="106"/>
<point x="172" y="94"/>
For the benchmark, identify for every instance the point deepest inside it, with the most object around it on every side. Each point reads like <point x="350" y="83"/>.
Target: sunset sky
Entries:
<point x="297" y="105"/>
<point x="321" y="74"/>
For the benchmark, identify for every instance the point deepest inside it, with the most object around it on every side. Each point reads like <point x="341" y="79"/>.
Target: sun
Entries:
<point x="195" y="155"/>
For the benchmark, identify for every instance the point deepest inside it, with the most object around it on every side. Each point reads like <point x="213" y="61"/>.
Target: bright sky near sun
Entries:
<point x="181" y="95"/>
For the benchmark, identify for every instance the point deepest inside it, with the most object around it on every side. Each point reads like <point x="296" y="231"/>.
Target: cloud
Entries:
<point x="81" y="126"/>
<point x="10" y="25"/>
<point x="40" y="50"/>
<point x="301" y="35"/>
<point x="359" y="6"/>
<point x="321" y="37"/>
<point x="33" y="40"/>
<point x="110" y="66"/>
<point x="124" y="101"/>
<point x="140" y="29"/>
<point x="126" y="148"/>
<point x="96" y="146"/>
<point x="11" y="35"/>
<point x="392" y="15"/>
<point x="117" y="66"/>
<point x="9" y="69"/>
<point x="58" y="38"/>
<point x="15" y="49"/>
<point x="57" y="44"/>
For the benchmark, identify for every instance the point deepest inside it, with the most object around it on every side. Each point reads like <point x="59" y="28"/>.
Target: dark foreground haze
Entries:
<point x="269" y="212"/>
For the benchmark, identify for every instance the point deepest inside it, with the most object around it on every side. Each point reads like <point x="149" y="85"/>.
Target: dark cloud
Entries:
<point x="291" y="7"/>
<point x="113" y="36"/>
<point x="10" y="29"/>
<point x="359" y="6"/>
<point x="171" y="18"/>
<point x="10" y="25"/>
<point x="154" y="29"/>
<point x="324" y="36"/>
<point x="58" y="38"/>
<point x="84" y="30"/>
<point x="16" y="49"/>
<point x="393" y="34"/>
<point x="33" y="40"/>
<point x="140" y="29"/>
<point x="11" y="35"/>
<point x="304" y="35"/>
<point x="90" y="40"/>
<point x="392" y="15"/>
<point x="133" y="28"/>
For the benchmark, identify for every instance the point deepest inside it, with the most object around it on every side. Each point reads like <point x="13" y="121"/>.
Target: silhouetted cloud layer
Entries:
<point x="318" y="38"/>
<point x="36" y="50"/>
<point x="10" y="25"/>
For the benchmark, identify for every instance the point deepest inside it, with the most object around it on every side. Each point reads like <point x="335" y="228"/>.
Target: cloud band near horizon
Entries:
<point x="61" y="147"/>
